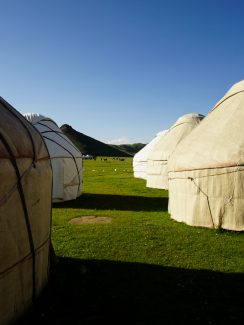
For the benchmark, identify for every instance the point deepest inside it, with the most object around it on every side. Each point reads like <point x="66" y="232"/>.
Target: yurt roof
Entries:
<point x="218" y="141"/>
<point x="144" y="153"/>
<point x="29" y="145"/>
<point x="35" y="117"/>
<point x="166" y="145"/>
<point x="57" y="142"/>
<point x="234" y="90"/>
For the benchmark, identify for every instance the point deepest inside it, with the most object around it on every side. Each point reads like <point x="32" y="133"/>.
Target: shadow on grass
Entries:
<point x="116" y="202"/>
<point x="106" y="292"/>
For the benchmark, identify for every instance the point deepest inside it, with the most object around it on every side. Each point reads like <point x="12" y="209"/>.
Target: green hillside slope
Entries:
<point x="88" y="145"/>
<point x="130" y="148"/>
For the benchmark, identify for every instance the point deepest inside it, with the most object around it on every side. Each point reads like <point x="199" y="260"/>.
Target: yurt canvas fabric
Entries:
<point x="206" y="171"/>
<point x="66" y="159"/>
<point x="157" y="165"/>
<point x="141" y="157"/>
<point x="25" y="213"/>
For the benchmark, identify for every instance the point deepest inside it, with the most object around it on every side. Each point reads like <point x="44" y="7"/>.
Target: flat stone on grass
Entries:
<point x="90" y="219"/>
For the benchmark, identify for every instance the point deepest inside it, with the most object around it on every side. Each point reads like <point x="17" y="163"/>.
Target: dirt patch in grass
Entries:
<point x="90" y="219"/>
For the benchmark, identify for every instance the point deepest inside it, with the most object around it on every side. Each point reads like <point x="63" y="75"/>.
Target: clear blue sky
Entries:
<point x="117" y="69"/>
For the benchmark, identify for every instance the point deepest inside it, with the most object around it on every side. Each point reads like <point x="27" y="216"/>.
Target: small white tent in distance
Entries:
<point x="157" y="166"/>
<point x="66" y="159"/>
<point x="25" y="213"/>
<point x="141" y="157"/>
<point x="206" y="182"/>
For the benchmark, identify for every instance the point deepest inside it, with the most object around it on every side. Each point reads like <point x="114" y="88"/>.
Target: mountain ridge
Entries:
<point x="90" y="146"/>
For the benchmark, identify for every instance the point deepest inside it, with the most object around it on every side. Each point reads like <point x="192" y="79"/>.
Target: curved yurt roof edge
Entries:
<point x="184" y="119"/>
<point x="37" y="117"/>
<point x="234" y="90"/>
<point x="17" y="115"/>
<point x="148" y="147"/>
<point x="60" y="134"/>
<point x="217" y="132"/>
<point x="37" y="154"/>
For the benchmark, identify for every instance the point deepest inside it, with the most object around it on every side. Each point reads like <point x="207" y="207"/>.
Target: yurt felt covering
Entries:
<point x="66" y="159"/>
<point x="157" y="165"/>
<point x="25" y="213"/>
<point x="140" y="159"/>
<point x="206" y="171"/>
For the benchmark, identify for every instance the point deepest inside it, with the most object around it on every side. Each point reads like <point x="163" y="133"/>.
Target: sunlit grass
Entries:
<point x="141" y="229"/>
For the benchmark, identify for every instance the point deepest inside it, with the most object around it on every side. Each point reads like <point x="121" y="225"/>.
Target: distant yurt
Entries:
<point x="206" y="171"/>
<point x="141" y="157"/>
<point x="66" y="159"/>
<point x="25" y="213"/>
<point x="157" y="165"/>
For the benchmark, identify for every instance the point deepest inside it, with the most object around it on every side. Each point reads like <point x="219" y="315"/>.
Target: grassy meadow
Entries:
<point x="141" y="267"/>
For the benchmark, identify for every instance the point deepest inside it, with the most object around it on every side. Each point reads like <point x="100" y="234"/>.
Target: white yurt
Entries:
<point x="157" y="165"/>
<point x="141" y="157"/>
<point x="206" y="171"/>
<point x="25" y="213"/>
<point x="66" y="159"/>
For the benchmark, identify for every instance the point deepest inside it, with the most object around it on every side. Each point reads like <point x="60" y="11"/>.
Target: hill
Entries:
<point x="91" y="146"/>
<point x="130" y="148"/>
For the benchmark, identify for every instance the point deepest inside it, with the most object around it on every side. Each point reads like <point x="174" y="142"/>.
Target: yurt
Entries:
<point x="25" y="213"/>
<point x="66" y="159"/>
<point x="206" y="171"/>
<point x="141" y="157"/>
<point x="157" y="165"/>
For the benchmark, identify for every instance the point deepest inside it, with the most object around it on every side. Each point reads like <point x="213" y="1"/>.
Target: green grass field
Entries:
<point x="142" y="267"/>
